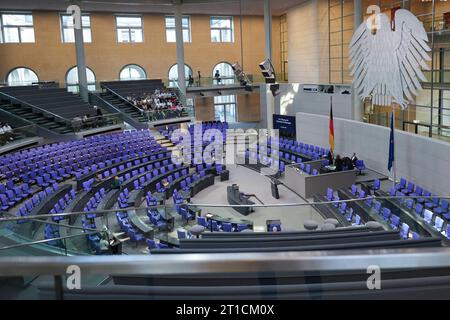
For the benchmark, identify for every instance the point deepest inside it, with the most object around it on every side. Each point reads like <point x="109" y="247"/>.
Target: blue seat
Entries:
<point x="227" y="227"/>
<point x="359" y="164"/>
<point x="409" y="189"/>
<point x="376" y="185"/>
<point x="404" y="231"/>
<point x="241" y="227"/>
<point x="447" y="231"/>
<point x="419" y="209"/>
<point x="203" y="222"/>
<point x="354" y="189"/>
<point x="401" y="185"/>
<point x="343" y="207"/>
<point x="395" y="221"/>
<point x="329" y="194"/>
<point x="183" y="234"/>
<point x="357" y="220"/>
<point x="336" y="201"/>
<point x="386" y="213"/>
<point x="443" y="208"/>
<point x="428" y="216"/>
<point x="215" y="226"/>
<point x="438" y="223"/>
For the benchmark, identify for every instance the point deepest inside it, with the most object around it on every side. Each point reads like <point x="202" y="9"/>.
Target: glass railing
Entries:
<point x="251" y="242"/>
<point x="130" y="229"/>
<point x="79" y="124"/>
<point x="17" y="134"/>
<point x="422" y="120"/>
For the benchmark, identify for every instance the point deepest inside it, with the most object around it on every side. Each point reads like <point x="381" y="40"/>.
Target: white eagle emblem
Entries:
<point x="385" y="63"/>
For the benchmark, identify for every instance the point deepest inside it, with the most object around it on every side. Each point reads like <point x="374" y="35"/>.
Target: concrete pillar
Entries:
<point x="268" y="29"/>
<point x="81" y="62"/>
<point x="358" y="104"/>
<point x="180" y="48"/>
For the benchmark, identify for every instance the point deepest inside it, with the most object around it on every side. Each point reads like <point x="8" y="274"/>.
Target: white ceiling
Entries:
<point x="218" y="7"/>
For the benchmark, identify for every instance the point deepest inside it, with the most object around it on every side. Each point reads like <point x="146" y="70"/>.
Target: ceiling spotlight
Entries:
<point x="202" y="94"/>
<point x="219" y="92"/>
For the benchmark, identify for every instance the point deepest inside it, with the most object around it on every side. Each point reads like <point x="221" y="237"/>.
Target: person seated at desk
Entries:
<point x="338" y="163"/>
<point x="330" y="157"/>
<point x="354" y="158"/>
<point x="116" y="183"/>
<point x="165" y="183"/>
<point x="348" y="163"/>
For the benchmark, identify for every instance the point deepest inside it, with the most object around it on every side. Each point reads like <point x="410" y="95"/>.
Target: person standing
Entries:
<point x="217" y="76"/>
<point x="199" y="78"/>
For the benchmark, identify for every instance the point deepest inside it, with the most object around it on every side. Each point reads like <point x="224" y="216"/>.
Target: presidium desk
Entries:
<point x="307" y="185"/>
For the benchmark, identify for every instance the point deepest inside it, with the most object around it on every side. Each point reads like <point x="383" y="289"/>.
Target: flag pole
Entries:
<point x="393" y="135"/>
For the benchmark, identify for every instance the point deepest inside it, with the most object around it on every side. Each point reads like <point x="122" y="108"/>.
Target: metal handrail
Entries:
<point x="33" y="106"/>
<point x="270" y="205"/>
<point x="120" y="96"/>
<point x="231" y="263"/>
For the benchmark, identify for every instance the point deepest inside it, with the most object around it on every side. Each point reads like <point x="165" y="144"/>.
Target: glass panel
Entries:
<point x="21" y="76"/>
<point x="68" y="35"/>
<point x="215" y="35"/>
<point x="27" y="34"/>
<point x="173" y="72"/>
<point x="129" y="21"/>
<point x="136" y="35"/>
<point x="86" y="21"/>
<point x="11" y="34"/>
<point x="219" y="113"/>
<point x="123" y="35"/>
<point x="132" y="72"/>
<point x="17" y="19"/>
<point x="226" y="36"/>
<point x="231" y="113"/>
<point x="171" y="35"/>
<point x="170" y="22"/>
<point x="186" y="36"/>
<point x="185" y="22"/>
<point x="67" y="21"/>
<point x="72" y="79"/>
<point x="87" y="35"/>
<point x="220" y="22"/>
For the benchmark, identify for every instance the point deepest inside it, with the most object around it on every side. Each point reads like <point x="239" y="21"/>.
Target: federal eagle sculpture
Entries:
<point x="387" y="63"/>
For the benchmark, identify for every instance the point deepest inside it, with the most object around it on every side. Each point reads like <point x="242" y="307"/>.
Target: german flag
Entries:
<point x="331" y="137"/>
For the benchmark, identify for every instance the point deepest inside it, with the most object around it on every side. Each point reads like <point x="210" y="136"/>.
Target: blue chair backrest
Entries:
<point x="376" y="184"/>
<point x="404" y="232"/>
<point x="329" y="194"/>
<point x="438" y="223"/>
<point x="181" y="234"/>
<point x="428" y="215"/>
<point x="386" y="213"/>
<point x="419" y="209"/>
<point x="444" y="205"/>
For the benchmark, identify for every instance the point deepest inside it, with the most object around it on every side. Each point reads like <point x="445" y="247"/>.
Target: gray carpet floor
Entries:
<point x="250" y="182"/>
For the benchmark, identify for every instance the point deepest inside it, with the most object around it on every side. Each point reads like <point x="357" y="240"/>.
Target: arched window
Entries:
<point x="173" y="74"/>
<point x="226" y="73"/>
<point x="132" y="72"/>
<point x="21" y="77"/>
<point x="72" y="80"/>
